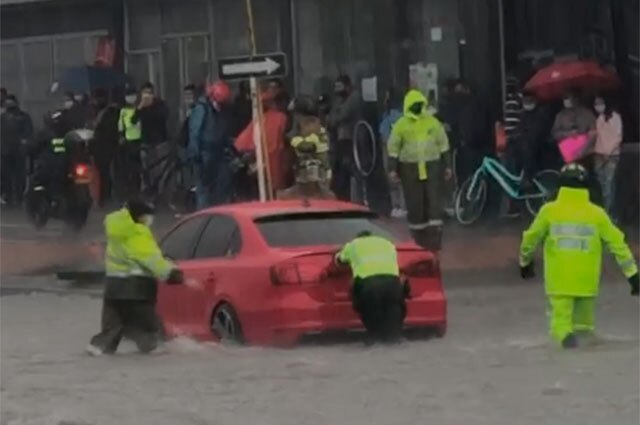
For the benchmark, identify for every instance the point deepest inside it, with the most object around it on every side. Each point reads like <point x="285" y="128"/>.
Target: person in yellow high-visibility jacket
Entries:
<point x="377" y="294"/>
<point x="130" y="162"/>
<point x="573" y="230"/>
<point x="133" y="262"/>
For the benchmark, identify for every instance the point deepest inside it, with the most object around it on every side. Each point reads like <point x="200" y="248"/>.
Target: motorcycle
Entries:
<point x="70" y="201"/>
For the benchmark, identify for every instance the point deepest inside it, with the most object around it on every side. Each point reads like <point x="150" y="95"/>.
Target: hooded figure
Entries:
<point x="418" y="158"/>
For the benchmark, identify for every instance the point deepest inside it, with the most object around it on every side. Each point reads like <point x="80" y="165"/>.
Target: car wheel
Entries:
<point x="440" y="331"/>
<point x="225" y="324"/>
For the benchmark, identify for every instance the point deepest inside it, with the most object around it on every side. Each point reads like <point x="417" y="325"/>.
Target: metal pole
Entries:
<point x="503" y="65"/>
<point x="264" y="184"/>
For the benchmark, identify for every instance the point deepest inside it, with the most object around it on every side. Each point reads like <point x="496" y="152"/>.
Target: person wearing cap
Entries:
<point x="377" y="294"/>
<point x="133" y="263"/>
<point x="210" y="142"/>
<point x="573" y="230"/>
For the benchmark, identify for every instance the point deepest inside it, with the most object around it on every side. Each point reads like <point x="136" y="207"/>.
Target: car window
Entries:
<point x="221" y="238"/>
<point x="178" y="244"/>
<point x="332" y="228"/>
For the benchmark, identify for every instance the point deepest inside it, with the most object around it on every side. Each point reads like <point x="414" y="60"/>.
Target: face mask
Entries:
<point x="130" y="99"/>
<point x="78" y="98"/>
<point x="600" y="108"/>
<point x="432" y="110"/>
<point x="10" y="106"/>
<point x="416" y="108"/>
<point x="147" y="220"/>
<point x="529" y="106"/>
<point x="68" y="104"/>
<point x="568" y="103"/>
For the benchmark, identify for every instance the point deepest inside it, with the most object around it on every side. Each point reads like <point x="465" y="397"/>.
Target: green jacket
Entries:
<point x="573" y="229"/>
<point x="370" y="256"/>
<point x="132" y="250"/>
<point x="417" y="138"/>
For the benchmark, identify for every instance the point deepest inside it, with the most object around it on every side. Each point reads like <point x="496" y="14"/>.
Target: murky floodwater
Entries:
<point x="495" y="367"/>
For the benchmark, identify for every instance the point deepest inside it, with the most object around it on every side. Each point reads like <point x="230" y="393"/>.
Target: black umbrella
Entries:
<point x="87" y="78"/>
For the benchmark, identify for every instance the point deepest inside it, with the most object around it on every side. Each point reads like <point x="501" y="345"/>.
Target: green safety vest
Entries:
<point x="57" y="145"/>
<point x="416" y="139"/>
<point x="573" y="229"/>
<point x="132" y="249"/>
<point x="370" y="256"/>
<point x="131" y="131"/>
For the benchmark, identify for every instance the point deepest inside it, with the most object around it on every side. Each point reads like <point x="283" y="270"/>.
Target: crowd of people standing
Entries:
<point x="417" y="140"/>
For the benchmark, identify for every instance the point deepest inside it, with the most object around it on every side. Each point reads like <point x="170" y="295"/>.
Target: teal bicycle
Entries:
<point x="471" y="197"/>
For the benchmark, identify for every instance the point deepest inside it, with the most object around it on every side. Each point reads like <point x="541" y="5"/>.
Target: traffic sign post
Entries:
<point x="269" y="65"/>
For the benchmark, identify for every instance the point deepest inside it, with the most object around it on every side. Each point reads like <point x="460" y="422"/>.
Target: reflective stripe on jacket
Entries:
<point x="573" y="229"/>
<point x="370" y="256"/>
<point x="131" y="131"/>
<point x="58" y="146"/>
<point x="417" y="138"/>
<point x="132" y="249"/>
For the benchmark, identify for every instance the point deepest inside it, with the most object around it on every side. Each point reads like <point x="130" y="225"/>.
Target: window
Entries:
<point x="178" y="245"/>
<point x="221" y="238"/>
<point x="327" y="228"/>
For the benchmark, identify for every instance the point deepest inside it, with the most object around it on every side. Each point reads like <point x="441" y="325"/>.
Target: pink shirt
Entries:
<point x="609" y="135"/>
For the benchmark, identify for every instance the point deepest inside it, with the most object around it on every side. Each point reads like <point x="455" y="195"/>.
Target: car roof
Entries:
<point x="270" y="208"/>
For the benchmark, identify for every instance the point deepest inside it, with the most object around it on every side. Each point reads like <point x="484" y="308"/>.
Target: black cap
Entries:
<point x="573" y="175"/>
<point x="138" y="207"/>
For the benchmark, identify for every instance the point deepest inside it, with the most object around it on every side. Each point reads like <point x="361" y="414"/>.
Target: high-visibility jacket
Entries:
<point x="131" y="249"/>
<point x="417" y="139"/>
<point x="573" y="229"/>
<point x="58" y="146"/>
<point x="370" y="256"/>
<point x="132" y="131"/>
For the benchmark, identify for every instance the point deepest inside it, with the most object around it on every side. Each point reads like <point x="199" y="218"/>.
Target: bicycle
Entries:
<point x="170" y="184"/>
<point x="471" y="197"/>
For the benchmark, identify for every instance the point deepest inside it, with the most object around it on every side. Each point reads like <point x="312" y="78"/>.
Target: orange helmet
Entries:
<point x="219" y="92"/>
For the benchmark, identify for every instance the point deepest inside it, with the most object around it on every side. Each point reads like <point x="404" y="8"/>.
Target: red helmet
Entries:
<point x="219" y="92"/>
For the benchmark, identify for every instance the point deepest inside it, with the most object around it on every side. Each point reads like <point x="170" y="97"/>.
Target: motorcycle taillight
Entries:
<point x="81" y="170"/>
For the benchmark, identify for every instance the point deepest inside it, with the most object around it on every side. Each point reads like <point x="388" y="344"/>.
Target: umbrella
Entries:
<point x="553" y="81"/>
<point x="87" y="78"/>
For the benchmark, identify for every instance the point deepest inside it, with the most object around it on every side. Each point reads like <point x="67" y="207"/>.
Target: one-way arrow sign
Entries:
<point x="239" y="68"/>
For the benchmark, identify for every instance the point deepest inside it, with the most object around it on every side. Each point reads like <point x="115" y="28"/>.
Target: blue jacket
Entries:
<point x="209" y="132"/>
<point x="389" y="118"/>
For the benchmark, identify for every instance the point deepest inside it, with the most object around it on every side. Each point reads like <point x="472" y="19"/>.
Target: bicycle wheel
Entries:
<point x="548" y="182"/>
<point x="470" y="200"/>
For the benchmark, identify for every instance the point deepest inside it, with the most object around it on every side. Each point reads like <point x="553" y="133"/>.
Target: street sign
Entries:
<point x="259" y="66"/>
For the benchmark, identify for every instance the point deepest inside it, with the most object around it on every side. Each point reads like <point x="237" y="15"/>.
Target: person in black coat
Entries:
<point x="16" y="132"/>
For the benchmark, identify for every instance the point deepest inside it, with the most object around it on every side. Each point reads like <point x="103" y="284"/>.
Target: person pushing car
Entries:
<point x="377" y="294"/>
<point x="133" y="263"/>
<point x="573" y="230"/>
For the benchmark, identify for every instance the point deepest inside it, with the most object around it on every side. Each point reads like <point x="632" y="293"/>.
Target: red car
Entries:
<point x="268" y="276"/>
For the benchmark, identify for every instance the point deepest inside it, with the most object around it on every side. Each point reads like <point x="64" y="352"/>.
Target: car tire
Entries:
<point x="225" y="324"/>
<point x="440" y="331"/>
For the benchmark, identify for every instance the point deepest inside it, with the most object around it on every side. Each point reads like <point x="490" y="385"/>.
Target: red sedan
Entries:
<point x="267" y="274"/>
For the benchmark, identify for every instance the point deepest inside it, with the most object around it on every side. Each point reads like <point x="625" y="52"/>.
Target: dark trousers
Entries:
<point x="13" y="177"/>
<point x="133" y="319"/>
<point x="342" y="169"/>
<point x="379" y="300"/>
<point x="128" y="169"/>
<point x="423" y="198"/>
<point x="103" y="168"/>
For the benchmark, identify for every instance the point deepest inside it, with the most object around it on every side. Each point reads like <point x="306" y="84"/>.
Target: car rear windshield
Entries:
<point x="322" y="228"/>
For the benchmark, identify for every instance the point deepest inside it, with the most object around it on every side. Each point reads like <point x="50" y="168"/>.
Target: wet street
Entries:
<point x="495" y="366"/>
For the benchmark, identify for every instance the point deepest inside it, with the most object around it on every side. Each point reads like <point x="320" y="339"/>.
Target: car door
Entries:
<point x="214" y="255"/>
<point x="178" y="246"/>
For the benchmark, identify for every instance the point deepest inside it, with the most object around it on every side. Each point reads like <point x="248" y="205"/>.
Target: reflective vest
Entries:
<point x="131" y="249"/>
<point x="58" y="146"/>
<point x="321" y="141"/>
<point x="370" y="256"/>
<point x="131" y="131"/>
<point x="573" y="229"/>
<point x="417" y="139"/>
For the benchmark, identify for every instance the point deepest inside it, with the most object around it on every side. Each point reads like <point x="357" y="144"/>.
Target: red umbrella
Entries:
<point x="553" y="81"/>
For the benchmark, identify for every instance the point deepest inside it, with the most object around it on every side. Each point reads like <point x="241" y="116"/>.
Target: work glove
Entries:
<point x="176" y="277"/>
<point x="635" y="283"/>
<point x="527" y="272"/>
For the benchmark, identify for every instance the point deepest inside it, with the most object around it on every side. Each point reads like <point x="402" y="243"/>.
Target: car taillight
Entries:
<point x="299" y="271"/>
<point x="82" y="170"/>
<point x="423" y="268"/>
